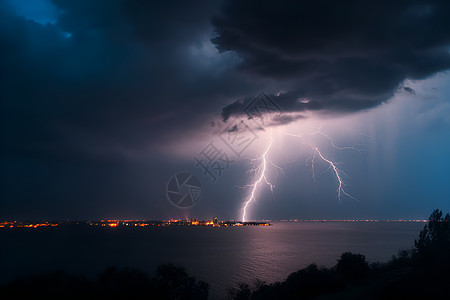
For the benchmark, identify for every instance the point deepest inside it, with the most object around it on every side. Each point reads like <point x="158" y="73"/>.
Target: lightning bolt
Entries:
<point x="262" y="168"/>
<point x="331" y="165"/>
<point x="336" y="172"/>
<point x="262" y="178"/>
<point x="320" y="132"/>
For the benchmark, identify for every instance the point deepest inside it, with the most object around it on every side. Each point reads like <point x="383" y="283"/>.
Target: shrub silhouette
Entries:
<point x="55" y="285"/>
<point x="309" y="282"/>
<point x="421" y="272"/>
<point x="170" y="282"/>
<point x="114" y="283"/>
<point x="353" y="267"/>
<point x="312" y="281"/>
<point x="173" y="282"/>
<point x="242" y="292"/>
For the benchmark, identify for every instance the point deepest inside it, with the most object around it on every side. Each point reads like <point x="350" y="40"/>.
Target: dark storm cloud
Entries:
<point x="288" y="101"/>
<point x="87" y="98"/>
<point x="107" y="75"/>
<point x="342" y="56"/>
<point x="95" y="93"/>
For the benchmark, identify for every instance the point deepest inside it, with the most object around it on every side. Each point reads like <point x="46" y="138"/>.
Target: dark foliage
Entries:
<point x="303" y="284"/>
<point x="170" y="282"/>
<point x="173" y="282"/>
<point x="353" y="267"/>
<point x="422" y="272"/>
<point x="119" y="283"/>
<point x="432" y="248"/>
<point x="57" y="285"/>
<point x="403" y="259"/>
<point x="242" y="292"/>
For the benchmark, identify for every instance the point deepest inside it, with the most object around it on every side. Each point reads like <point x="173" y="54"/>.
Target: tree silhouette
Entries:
<point x="169" y="283"/>
<point x="432" y="248"/>
<point x="119" y="283"/>
<point x="423" y="272"/>
<point x="307" y="283"/>
<point x="242" y="292"/>
<point x="353" y="267"/>
<point x="173" y="282"/>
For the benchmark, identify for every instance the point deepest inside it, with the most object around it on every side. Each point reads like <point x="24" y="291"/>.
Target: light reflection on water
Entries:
<point x="219" y="256"/>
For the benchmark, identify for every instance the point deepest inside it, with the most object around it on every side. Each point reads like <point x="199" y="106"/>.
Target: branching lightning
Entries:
<point x="336" y="172"/>
<point x="331" y="165"/>
<point x="320" y="132"/>
<point x="261" y="169"/>
<point x="262" y="178"/>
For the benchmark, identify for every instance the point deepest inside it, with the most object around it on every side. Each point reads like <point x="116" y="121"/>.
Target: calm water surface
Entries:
<point x="220" y="256"/>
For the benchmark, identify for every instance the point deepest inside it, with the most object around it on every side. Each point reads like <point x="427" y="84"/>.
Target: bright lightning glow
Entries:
<point x="262" y="178"/>
<point x="336" y="172"/>
<point x="261" y="169"/>
<point x="331" y="164"/>
<point x="320" y="132"/>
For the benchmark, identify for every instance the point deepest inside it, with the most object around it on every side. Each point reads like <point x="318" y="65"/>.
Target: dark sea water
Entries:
<point x="220" y="256"/>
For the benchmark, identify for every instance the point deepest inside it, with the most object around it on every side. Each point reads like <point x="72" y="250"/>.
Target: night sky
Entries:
<point x="102" y="102"/>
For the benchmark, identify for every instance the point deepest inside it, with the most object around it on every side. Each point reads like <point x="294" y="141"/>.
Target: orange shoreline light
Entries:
<point x="163" y="223"/>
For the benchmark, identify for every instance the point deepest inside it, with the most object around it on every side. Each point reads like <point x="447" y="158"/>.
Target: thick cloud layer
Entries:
<point x="93" y="92"/>
<point x="105" y="76"/>
<point x="97" y="91"/>
<point x="108" y="76"/>
<point x="340" y="56"/>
